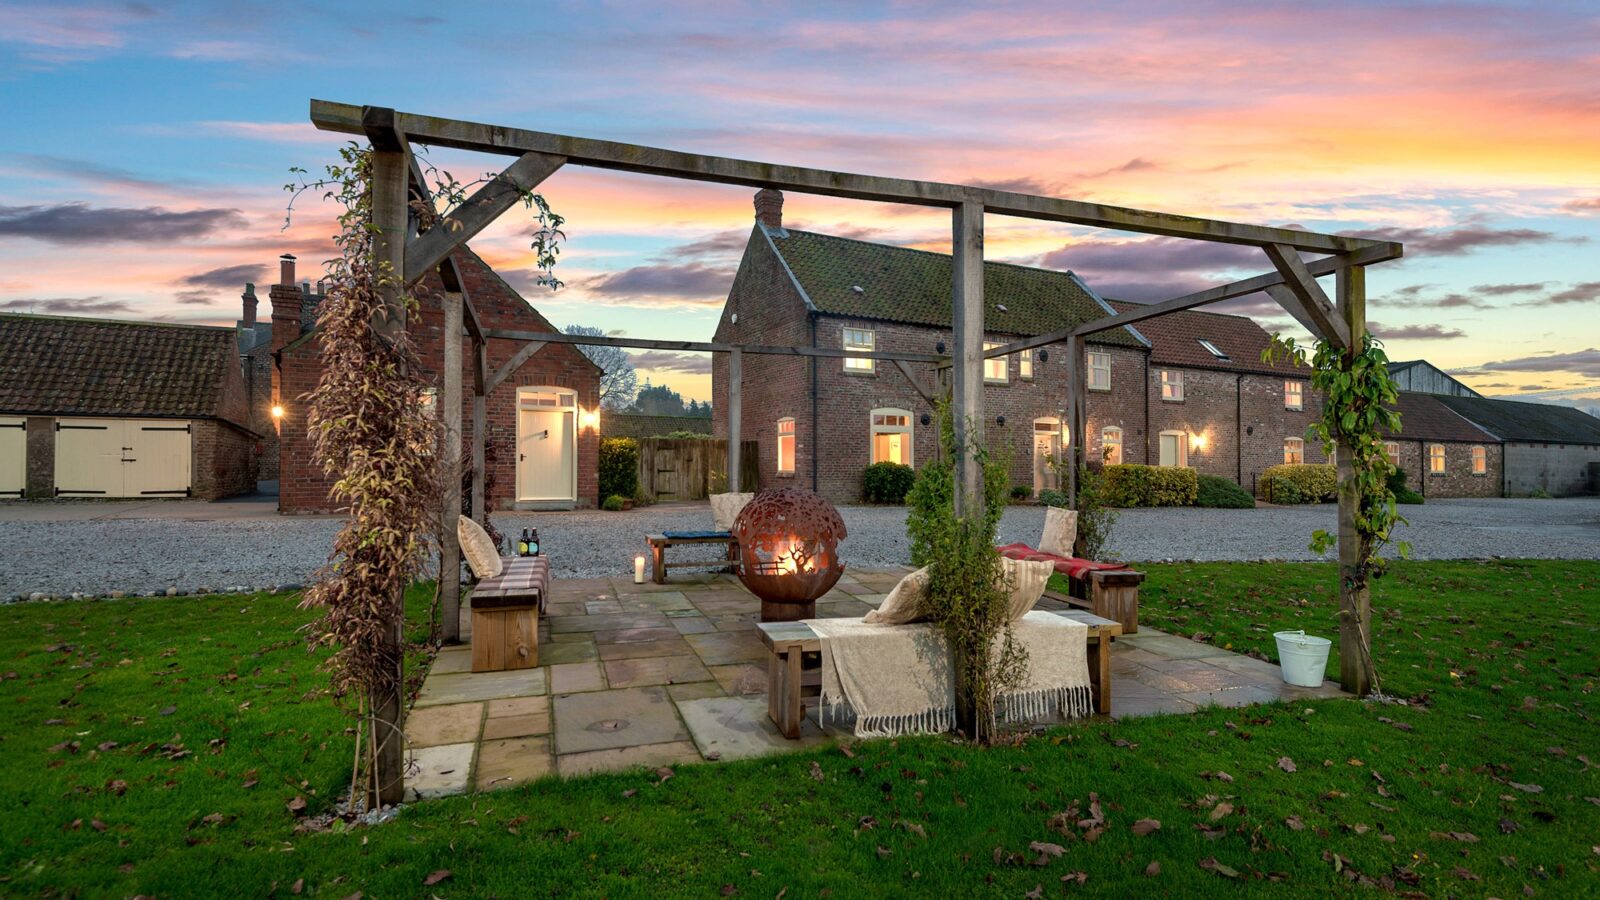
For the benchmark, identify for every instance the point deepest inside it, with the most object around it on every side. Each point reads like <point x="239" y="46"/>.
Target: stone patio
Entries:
<point x="652" y="675"/>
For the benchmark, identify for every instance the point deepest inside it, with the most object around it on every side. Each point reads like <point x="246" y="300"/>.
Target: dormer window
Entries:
<point x="1213" y="350"/>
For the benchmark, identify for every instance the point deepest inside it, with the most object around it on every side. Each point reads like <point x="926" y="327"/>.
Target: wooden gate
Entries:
<point x="691" y="468"/>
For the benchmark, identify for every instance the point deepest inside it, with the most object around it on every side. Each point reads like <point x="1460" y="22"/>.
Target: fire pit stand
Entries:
<point x="788" y="551"/>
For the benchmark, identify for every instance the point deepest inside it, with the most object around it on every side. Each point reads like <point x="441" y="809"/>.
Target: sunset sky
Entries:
<point x="147" y="145"/>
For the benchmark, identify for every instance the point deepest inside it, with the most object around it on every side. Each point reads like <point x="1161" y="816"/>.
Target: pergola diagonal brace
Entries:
<point x="1316" y="311"/>
<point x="523" y="354"/>
<point x="475" y="213"/>
<point x="916" y="382"/>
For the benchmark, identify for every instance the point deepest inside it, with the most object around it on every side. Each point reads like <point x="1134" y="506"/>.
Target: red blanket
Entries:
<point x="1070" y="566"/>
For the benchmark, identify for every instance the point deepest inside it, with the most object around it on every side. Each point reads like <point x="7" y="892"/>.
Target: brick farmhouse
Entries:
<point x="1185" y="389"/>
<point x="542" y="441"/>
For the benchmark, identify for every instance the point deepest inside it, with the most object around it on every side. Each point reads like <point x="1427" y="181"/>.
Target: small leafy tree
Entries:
<point x="966" y="596"/>
<point x="1358" y="410"/>
<point x="619" y="381"/>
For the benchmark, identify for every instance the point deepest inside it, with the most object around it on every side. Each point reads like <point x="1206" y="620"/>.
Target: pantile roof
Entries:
<point x="1517" y="420"/>
<point x="1175" y="340"/>
<point x="1424" y="418"/>
<point x="56" y="365"/>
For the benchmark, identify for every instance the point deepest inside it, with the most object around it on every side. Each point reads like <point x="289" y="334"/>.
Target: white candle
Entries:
<point x="638" y="570"/>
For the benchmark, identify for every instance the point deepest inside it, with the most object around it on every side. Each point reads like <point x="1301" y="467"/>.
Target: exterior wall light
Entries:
<point x="1197" y="441"/>
<point x="277" y="411"/>
<point x="589" y="419"/>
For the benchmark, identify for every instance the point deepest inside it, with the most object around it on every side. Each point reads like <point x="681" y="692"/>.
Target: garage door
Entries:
<point x="122" y="458"/>
<point x="13" y="456"/>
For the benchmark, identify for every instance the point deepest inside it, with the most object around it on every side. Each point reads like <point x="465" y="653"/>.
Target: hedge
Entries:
<point x="1300" y="483"/>
<point x="1220" y="493"/>
<point x="619" y="467"/>
<point x="1129" y="485"/>
<point x="887" y="482"/>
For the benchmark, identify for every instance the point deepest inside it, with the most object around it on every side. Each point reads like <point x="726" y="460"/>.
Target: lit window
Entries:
<point x="891" y="436"/>
<point x="1480" y="461"/>
<point x="1392" y="450"/>
<point x="1435" y="459"/>
<point x="1174" y="448"/>
<point x="1171" y="385"/>
<point x="858" y="339"/>
<point x="1294" y="451"/>
<point x="1212" y="349"/>
<point x="1111" y="445"/>
<point x="1025" y="365"/>
<point x="1099" y="364"/>
<point x="995" y="370"/>
<point x="786" y="446"/>
<point x="1294" y="395"/>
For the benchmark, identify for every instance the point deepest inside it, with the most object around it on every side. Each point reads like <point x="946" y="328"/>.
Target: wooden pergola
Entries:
<point x="396" y="180"/>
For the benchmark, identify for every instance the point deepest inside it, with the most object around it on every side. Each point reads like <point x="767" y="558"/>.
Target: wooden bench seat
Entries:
<point x="505" y="620"/>
<point x="660" y="542"/>
<point x="794" y="666"/>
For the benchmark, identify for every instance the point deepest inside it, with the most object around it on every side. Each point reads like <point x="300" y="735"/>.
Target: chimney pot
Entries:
<point x="769" y="208"/>
<point x="250" y="303"/>
<point x="286" y="269"/>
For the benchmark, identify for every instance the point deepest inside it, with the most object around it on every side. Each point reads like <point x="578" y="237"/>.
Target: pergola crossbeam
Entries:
<point x="346" y="118"/>
<point x="707" y="347"/>
<point x="477" y="212"/>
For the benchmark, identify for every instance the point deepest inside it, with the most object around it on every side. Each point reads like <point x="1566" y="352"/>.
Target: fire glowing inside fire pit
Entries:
<point x="788" y="551"/>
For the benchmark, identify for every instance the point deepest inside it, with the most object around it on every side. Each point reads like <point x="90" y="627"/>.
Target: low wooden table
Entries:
<point x="794" y="666"/>
<point x="660" y="542"/>
<point x="505" y="614"/>
<point x="1111" y="593"/>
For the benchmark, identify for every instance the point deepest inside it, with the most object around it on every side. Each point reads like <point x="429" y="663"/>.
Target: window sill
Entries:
<point x="785" y="474"/>
<point x="861" y="373"/>
<point x="1170" y="400"/>
<point x="1099" y="390"/>
<point x="997" y="383"/>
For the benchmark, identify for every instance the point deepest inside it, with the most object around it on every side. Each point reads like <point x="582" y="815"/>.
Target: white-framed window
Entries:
<point x="1480" y="461"/>
<point x="1098" y="363"/>
<point x="1025" y="365"/>
<point x="1435" y="459"/>
<point x="786" y="446"/>
<point x="891" y="432"/>
<point x="996" y="370"/>
<point x="1174" y="448"/>
<point x="1294" y="451"/>
<point x="1392" y="450"/>
<point x="530" y="398"/>
<point x="1111" y="445"/>
<point x="858" y="339"/>
<point x="1213" y="349"/>
<point x="1294" y="395"/>
<point x="1172" y="385"/>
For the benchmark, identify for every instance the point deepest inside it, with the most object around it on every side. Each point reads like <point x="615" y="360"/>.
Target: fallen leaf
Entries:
<point x="117" y="786"/>
<point x="297" y="806"/>
<point x="885" y="852"/>
<point x="1527" y="788"/>
<point x="1465" y="874"/>
<point x="167" y="711"/>
<point x="728" y="890"/>
<point x="664" y="773"/>
<point x="1075" y="878"/>
<point x="1046" y="852"/>
<point x="1223" y="777"/>
<point x="1153" y="869"/>
<point x="1145" y="826"/>
<point x="97" y="825"/>
<point x="298" y="886"/>
<point x="1222" y="809"/>
<point x="866" y="823"/>
<point x="816" y="771"/>
<point x="1465" y="837"/>
<point x="1222" y="869"/>
<point x="435" y="877"/>
<point x="630" y="792"/>
<point x="1295" y="823"/>
<point x="1036" y="894"/>
<point x="1286" y="764"/>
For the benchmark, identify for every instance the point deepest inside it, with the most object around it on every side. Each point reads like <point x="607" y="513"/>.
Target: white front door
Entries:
<point x="1174" y="448"/>
<point x="547" y="452"/>
<point x="1046" y="446"/>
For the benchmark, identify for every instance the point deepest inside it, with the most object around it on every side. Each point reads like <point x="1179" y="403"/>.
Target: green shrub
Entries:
<point x="1049" y="497"/>
<point x="619" y="467"/>
<point x="1096" y="517"/>
<point x="1397" y="485"/>
<point x="1309" y="483"/>
<point x="613" y="503"/>
<point x="1021" y="492"/>
<point x="682" y="435"/>
<point x="1129" y="485"/>
<point x="1220" y="493"/>
<point x="887" y="482"/>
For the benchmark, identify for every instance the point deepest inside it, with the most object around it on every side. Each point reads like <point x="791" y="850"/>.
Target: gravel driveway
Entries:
<point x="64" y="553"/>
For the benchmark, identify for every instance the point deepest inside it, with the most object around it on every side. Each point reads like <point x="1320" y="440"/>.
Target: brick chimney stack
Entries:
<point x="250" y="304"/>
<point x="286" y="302"/>
<point x="286" y="269"/>
<point x="769" y="208"/>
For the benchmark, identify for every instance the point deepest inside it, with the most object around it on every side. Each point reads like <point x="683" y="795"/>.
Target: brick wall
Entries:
<point x="1457" y="480"/>
<point x="257" y="368"/>
<point x="303" y="488"/>
<point x="223" y="461"/>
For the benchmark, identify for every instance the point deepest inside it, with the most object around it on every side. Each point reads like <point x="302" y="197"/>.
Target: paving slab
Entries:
<point x="454" y="723"/>
<point x="1240" y="696"/>
<point x="723" y="648"/>
<point x="642" y="649"/>
<point x="739" y="728"/>
<point x="571" y="678"/>
<point x="662" y="601"/>
<point x="1132" y="707"/>
<point x="557" y="654"/>
<point x="610" y="622"/>
<point x="605" y="720"/>
<point x="513" y="761"/>
<point x="519" y="706"/>
<point x="676" y="753"/>
<point x="600" y="607"/>
<point x="636" y="635"/>
<point x="695" y="690"/>
<point x="694" y="625"/>
<point x="439" y="690"/>
<point x="452" y="661"/>
<point x="439" y="771"/>
<point x="1169" y="645"/>
<point x="624" y="673"/>
<point x="1205" y="676"/>
<point x="741" y="678"/>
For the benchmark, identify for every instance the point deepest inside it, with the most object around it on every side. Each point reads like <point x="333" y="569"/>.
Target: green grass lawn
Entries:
<point x="152" y="746"/>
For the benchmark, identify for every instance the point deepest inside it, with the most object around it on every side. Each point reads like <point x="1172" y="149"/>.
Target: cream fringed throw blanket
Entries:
<point x="897" y="679"/>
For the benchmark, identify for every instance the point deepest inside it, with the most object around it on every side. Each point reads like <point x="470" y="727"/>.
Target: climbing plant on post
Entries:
<point x="1358" y="410"/>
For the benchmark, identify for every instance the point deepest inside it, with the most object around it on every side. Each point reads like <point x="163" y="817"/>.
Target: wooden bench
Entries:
<point x="1109" y="593"/>
<point x="505" y="608"/>
<point x="660" y="542"/>
<point x="794" y="666"/>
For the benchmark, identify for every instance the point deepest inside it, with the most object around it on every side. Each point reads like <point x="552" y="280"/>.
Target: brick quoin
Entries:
<point x="304" y="488"/>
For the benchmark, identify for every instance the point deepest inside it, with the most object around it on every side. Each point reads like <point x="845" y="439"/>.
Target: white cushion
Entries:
<point x="725" y="508"/>
<point x="1060" y="531"/>
<point x="904" y="604"/>
<point x="478" y="548"/>
<point x="1025" y="582"/>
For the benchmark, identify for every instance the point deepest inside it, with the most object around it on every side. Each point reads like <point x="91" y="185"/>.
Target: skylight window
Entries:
<point x="1212" y="349"/>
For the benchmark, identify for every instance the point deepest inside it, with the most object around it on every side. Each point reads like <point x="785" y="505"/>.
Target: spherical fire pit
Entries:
<point x="788" y="551"/>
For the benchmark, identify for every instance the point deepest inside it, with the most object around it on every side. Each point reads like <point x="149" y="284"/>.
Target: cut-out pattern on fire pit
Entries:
<point x="789" y="551"/>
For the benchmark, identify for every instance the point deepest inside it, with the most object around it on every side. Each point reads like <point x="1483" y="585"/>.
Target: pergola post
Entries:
<point x="480" y="425"/>
<point x="735" y="417"/>
<point x="450" y="473"/>
<point x="1355" y="598"/>
<point x="391" y="170"/>
<point x="966" y="406"/>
